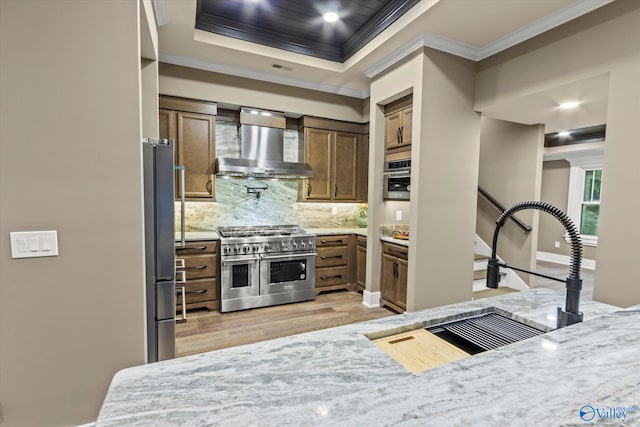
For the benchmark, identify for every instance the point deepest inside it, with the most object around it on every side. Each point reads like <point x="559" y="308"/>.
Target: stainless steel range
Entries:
<point x="265" y="265"/>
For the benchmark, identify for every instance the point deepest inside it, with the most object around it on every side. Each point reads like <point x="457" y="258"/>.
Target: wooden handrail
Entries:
<point x="524" y="227"/>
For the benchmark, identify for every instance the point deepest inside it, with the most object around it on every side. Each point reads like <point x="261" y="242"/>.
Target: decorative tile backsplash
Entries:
<point x="277" y="204"/>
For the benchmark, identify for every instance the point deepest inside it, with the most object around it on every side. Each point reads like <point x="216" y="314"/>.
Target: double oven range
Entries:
<point x="265" y="265"/>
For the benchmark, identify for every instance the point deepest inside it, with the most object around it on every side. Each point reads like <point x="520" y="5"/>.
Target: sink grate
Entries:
<point x="489" y="331"/>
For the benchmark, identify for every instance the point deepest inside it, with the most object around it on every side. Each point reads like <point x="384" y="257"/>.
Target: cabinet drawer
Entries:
<point x="202" y="266"/>
<point x="330" y="276"/>
<point x="362" y="241"/>
<point x="332" y="240"/>
<point x="198" y="248"/>
<point x="200" y="290"/>
<point x="329" y="257"/>
<point x="395" y="250"/>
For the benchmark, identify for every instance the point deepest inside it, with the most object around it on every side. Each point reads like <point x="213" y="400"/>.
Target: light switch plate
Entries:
<point x="398" y="215"/>
<point x="32" y="244"/>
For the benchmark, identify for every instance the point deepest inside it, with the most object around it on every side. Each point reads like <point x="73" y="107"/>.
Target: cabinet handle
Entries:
<point x="329" y="257"/>
<point x="401" y="134"/>
<point x="197" y="267"/>
<point x="331" y="277"/>
<point x="209" y="186"/>
<point x="331" y="241"/>
<point x="195" y="248"/>
<point x="308" y="190"/>
<point x="395" y="268"/>
<point x="335" y="191"/>
<point x="398" y="135"/>
<point x="199" y="291"/>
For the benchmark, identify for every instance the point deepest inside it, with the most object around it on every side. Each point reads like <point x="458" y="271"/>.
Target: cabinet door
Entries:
<point x="196" y="152"/>
<point x="363" y="168"/>
<point x="168" y="123"/>
<point x="405" y="128"/>
<point x="361" y="265"/>
<point x="401" y="284"/>
<point x="388" y="278"/>
<point x="392" y="125"/>
<point x="345" y="170"/>
<point x="318" y="153"/>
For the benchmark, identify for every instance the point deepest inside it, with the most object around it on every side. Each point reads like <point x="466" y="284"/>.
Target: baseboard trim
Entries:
<point x="589" y="264"/>
<point x="370" y="299"/>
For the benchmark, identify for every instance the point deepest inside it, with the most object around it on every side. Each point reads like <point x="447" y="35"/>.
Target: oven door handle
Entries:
<point x="239" y="260"/>
<point x="398" y="174"/>
<point x="291" y="255"/>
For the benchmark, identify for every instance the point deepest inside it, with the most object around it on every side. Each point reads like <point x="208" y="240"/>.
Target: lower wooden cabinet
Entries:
<point x="333" y="263"/>
<point x="393" y="276"/>
<point x="201" y="262"/>
<point x="361" y="262"/>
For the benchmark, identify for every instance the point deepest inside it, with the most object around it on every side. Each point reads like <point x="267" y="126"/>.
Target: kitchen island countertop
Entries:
<point x="338" y="377"/>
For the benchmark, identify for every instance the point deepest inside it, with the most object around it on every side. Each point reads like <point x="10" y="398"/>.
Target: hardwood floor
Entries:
<point x="207" y="331"/>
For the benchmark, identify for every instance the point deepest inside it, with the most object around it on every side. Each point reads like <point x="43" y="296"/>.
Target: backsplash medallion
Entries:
<point x="276" y="205"/>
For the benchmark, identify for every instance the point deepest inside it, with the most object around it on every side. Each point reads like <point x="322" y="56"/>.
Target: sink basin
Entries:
<point x="426" y="345"/>
<point x="484" y="332"/>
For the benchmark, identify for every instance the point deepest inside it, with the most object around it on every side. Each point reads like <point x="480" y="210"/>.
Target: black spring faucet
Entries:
<point x="571" y="314"/>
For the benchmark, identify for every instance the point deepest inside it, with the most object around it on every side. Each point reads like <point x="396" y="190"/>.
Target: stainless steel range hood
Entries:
<point x="262" y="149"/>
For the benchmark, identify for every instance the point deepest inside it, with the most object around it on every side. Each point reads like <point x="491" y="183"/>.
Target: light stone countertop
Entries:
<point x="191" y="236"/>
<point x="336" y="231"/>
<point x="337" y="377"/>
<point x="400" y="242"/>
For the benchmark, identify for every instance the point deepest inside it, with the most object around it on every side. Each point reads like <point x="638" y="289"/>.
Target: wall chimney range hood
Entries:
<point x="262" y="149"/>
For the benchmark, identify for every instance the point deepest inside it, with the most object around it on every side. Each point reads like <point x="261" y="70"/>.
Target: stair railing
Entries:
<point x="524" y="227"/>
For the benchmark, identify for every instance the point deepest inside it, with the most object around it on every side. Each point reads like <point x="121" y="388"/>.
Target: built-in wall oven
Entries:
<point x="266" y="265"/>
<point x="397" y="180"/>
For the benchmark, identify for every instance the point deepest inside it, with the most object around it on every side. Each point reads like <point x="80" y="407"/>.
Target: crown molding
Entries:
<point x="434" y="41"/>
<point x="568" y="13"/>
<point x="255" y="75"/>
<point x="422" y="40"/>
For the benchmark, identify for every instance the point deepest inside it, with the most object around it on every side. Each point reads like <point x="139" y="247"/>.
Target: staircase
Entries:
<point x="509" y="281"/>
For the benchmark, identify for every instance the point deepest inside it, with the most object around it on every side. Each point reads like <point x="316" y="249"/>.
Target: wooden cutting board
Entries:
<point x="420" y="350"/>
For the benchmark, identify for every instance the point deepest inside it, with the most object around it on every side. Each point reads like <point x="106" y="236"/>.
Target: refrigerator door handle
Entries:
<point x="183" y="242"/>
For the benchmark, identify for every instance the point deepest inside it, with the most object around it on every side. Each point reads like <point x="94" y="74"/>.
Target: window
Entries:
<point x="585" y="191"/>
<point x="590" y="209"/>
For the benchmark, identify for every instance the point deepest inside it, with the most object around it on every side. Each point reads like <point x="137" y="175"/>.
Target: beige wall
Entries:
<point x="238" y="91"/>
<point x="445" y="135"/>
<point x="555" y="190"/>
<point x="443" y="204"/>
<point x="70" y="160"/>
<point x="396" y="82"/>
<point x="604" y="41"/>
<point x="510" y="170"/>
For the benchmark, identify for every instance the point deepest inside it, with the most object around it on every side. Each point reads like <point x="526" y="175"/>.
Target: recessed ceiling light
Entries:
<point x="567" y="105"/>
<point x="330" y="17"/>
<point x="564" y="134"/>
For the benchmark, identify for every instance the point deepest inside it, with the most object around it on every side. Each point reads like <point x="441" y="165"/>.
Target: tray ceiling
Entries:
<point x="297" y="25"/>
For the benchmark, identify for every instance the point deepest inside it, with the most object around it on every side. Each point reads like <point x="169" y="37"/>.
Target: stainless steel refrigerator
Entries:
<point x="159" y="248"/>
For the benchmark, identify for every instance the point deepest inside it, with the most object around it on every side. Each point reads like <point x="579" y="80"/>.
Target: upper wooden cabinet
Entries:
<point x="339" y="161"/>
<point x="192" y="125"/>
<point x="397" y="123"/>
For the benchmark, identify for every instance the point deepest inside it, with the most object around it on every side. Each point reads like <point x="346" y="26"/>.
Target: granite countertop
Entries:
<point x="212" y="235"/>
<point x="337" y="377"/>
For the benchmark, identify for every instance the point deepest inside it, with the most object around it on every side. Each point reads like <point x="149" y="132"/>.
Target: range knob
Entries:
<point x="311" y="243"/>
<point x="294" y="244"/>
<point x="283" y="246"/>
<point x="267" y="247"/>
<point x="245" y="248"/>
<point x="256" y="248"/>
<point x="303" y="245"/>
